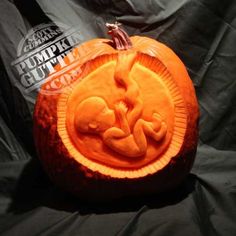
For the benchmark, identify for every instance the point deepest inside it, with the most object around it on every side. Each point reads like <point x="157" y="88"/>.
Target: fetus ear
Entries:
<point x="93" y="126"/>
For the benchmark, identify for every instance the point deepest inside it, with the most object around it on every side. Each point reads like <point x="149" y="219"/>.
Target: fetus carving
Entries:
<point x="100" y="120"/>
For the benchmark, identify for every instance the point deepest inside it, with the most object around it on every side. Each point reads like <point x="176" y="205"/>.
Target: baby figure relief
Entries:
<point x="122" y="119"/>
<point x="126" y="140"/>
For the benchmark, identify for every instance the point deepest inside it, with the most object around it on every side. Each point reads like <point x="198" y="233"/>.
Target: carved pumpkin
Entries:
<point x="127" y="123"/>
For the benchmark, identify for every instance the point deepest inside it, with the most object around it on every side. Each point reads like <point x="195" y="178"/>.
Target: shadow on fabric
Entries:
<point x="34" y="190"/>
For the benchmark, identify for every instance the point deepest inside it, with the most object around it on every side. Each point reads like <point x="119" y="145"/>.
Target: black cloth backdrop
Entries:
<point x="203" y="35"/>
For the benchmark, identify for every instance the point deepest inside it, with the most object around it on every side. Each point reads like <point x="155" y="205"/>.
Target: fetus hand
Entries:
<point x="121" y="108"/>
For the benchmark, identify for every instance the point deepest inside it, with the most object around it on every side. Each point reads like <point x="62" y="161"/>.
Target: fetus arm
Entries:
<point x="124" y="130"/>
<point x="121" y="110"/>
<point x="135" y="113"/>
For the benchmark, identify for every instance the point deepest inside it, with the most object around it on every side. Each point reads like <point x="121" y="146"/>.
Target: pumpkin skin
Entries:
<point x="90" y="164"/>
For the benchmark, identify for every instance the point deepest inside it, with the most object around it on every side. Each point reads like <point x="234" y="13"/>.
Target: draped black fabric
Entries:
<point x="203" y="34"/>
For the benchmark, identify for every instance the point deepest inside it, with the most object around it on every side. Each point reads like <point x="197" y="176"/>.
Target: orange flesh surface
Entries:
<point x="99" y="125"/>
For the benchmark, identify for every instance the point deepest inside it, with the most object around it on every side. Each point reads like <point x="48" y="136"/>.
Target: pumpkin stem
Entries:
<point x="120" y="38"/>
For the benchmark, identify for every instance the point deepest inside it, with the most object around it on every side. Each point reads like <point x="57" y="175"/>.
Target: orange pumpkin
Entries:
<point x="127" y="123"/>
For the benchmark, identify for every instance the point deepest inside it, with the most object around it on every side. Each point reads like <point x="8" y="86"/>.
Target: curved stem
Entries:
<point x="120" y="38"/>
